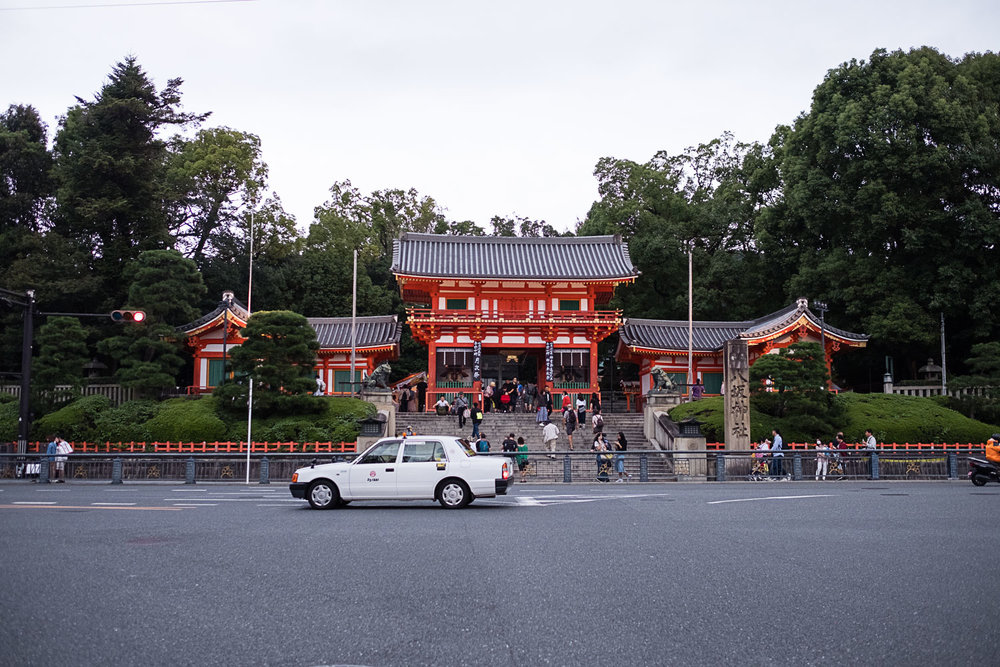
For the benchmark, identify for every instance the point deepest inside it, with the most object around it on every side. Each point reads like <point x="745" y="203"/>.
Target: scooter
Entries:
<point x="982" y="471"/>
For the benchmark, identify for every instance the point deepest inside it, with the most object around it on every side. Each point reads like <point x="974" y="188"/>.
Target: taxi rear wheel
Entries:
<point x="323" y="495"/>
<point x="454" y="494"/>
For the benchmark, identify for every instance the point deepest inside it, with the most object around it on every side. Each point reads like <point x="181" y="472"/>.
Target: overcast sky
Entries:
<point x="491" y="108"/>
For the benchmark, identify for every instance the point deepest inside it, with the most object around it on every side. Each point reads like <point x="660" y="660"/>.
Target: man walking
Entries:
<point x="777" y="456"/>
<point x="550" y="433"/>
<point x="477" y="419"/>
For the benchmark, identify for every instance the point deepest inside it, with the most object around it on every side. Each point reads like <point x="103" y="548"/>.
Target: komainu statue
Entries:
<point x="378" y="377"/>
<point x="663" y="382"/>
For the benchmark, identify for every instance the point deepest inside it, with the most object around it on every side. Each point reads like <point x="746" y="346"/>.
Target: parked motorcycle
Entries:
<point x="982" y="471"/>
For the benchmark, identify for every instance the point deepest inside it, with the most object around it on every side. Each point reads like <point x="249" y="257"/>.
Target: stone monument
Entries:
<point x="736" y="371"/>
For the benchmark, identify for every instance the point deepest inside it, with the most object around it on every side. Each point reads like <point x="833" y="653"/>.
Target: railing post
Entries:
<point x="797" y="467"/>
<point x="265" y="471"/>
<point x="874" y="464"/>
<point x="43" y="470"/>
<point x="116" y="470"/>
<point x="952" y="465"/>
<point x="189" y="471"/>
<point x="720" y="467"/>
<point x="567" y="469"/>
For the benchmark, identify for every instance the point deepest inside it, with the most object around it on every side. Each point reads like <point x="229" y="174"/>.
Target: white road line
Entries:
<point x="527" y="500"/>
<point x="235" y="500"/>
<point x="116" y="504"/>
<point x="750" y="500"/>
<point x="189" y="490"/>
<point x="195" y="504"/>
<point x="35" y="502"/>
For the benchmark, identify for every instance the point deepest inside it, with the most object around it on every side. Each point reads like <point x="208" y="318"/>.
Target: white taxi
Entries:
<point x="442" y="468"/>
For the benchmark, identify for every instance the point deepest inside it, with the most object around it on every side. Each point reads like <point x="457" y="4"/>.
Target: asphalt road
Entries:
<point x="689" y="574"/>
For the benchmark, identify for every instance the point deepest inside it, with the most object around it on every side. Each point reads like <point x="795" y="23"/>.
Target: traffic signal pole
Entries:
<point x="27" y="301"/>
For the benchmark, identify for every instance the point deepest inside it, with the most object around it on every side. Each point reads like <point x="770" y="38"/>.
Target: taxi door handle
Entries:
<point x="390" y="470"/>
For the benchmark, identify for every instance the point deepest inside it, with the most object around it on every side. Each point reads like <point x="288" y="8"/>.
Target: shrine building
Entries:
<point x="492" y="309"/>
<point x="211" y="339"/>
<point x="663" y="344"/>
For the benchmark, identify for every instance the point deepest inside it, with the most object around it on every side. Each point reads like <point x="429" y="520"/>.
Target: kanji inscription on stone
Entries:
<point x="737" y="391"/>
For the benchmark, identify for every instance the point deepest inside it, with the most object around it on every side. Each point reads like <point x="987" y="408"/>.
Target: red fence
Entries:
<point x="202" y="447"/>
<point x="883" y="446"/>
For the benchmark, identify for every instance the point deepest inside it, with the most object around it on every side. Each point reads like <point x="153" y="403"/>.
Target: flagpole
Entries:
<point x="354" y="315"/>
<point x="690" y="320"/>
<point x="250" y="375"/>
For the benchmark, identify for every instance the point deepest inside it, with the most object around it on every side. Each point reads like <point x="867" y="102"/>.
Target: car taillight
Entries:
<point x="295" y="477"/>
<point x="506" y="471"/>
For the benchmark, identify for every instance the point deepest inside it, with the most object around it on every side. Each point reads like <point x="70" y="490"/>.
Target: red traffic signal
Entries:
<point x="128" y="315"/>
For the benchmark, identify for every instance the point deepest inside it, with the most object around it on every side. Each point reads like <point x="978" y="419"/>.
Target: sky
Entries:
<point x="490" y="108"/>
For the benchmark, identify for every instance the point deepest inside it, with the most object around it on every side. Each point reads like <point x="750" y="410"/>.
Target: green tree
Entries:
<point x="370" y="223"/>
<point x="150" y="355"/>
<point x="891" y="185"/>
<point x="793" y="382"/>
<point x="278" y="354"/>
<point x="213" y="178"/>
<point x="109" y="170"/>
<point x="25" y="171"/>
<point x="62" y="355"/>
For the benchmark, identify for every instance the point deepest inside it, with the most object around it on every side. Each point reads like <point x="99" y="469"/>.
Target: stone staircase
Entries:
<point x="497" y="426"/>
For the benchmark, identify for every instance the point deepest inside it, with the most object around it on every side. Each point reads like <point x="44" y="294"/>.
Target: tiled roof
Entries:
<point x="372" y="331"/>
<point x="710" y="336"/>
<point x="673" y="334"/>
<point x="550" y="258"/>
<point x="235" y="307"/>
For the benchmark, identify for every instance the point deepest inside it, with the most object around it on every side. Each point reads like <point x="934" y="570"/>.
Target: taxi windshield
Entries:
<point x="467" y="447"/>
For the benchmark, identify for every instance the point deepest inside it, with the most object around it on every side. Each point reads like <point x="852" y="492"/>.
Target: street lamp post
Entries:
<point x="822" y="308"/>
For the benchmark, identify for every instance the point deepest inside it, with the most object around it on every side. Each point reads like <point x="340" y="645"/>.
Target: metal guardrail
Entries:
<point x="533" y="466"/>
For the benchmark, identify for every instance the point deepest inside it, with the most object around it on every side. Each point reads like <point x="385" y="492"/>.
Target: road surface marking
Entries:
<point x="195" y="504"/>
<point x="115" y="504"/>
<point x="35" y="502"/>
<point x="230" y="500"/>
<point x="566" y="499"/>
<point x="82" y="507"/>
<point x="749" y="500"/>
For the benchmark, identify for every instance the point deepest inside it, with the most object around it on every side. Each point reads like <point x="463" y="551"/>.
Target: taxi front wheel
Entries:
<point x="454" y="494"/>
<point x="323" y="495"/>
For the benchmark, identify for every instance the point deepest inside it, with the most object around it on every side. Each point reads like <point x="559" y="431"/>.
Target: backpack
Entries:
<point x="478" y="415"/>
<point x="598" y="420"/>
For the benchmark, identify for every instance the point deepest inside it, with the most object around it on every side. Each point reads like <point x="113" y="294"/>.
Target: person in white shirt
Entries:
<point x="550" y="433"/>
<point x="822" y="458"/>
<point x="869" y="439"/>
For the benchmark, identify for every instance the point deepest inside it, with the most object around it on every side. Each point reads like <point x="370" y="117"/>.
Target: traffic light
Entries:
<point x="128" y="315"/>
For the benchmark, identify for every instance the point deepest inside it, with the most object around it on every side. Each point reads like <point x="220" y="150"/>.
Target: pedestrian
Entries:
<point x="505" y="396"/>
<point x="530" y="396"/>
<point x="542" y="416"/>
<point x="442" y="407"/>
<point x="50" y="450"/>
<point x="870" y="446"/>
<point x="404" y="399"/>
<point x="841" y="445"/>
<point x="777" y="456"/>
<point x="822" y="459"/>
<point x="569" y="420"/>
<point x="546" y="399"/>
<point x="603" y="459"/>
<point x="520" y="394"/>
<point x="522" y="458"/>
<point x="509" y="445"/>
<point x="598" y="422"/>
<point x="461" y="407"/>
<point x="595" y="401"/>
<point x="581" y="409"/>
<point x="477" y="419"/>
<point x="421" y="395"/>
<point x="697" y="390"/>
<point x="621" y="445"/>
<point x="62" y="448"/>
<point x="870" y="443"/>
<point x="550" y="433"/>
<point x="482" y="445"/>
<point x="488" y="396"/>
